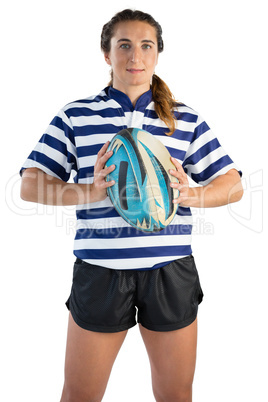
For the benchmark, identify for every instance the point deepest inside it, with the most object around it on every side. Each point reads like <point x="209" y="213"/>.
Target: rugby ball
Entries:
<point x="142" y="194"/>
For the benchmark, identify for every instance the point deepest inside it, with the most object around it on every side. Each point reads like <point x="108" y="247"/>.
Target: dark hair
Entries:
<point x="129" y="15"/>
<point x="162" y="96"/>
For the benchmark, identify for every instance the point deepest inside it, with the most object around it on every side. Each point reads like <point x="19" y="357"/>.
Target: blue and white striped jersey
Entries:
<point x="71" y="143"/>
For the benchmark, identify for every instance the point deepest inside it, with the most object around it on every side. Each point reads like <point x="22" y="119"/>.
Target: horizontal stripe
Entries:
<point x="51" y="164"/>
<point x="58" y="156"/>
<point x="100" y="204"/>
<point x="94" y="211"/>
<point x="34" y="164"/>
<point x="88" y="150"/>
<point x="208" y="160"/>
<point x="199" y="143"/>
<point x="118" y="222"/>
<point x="81" y="111"/>
<point x="174" y="142"/>
<point x="141" y="242"/>
<point x="186" y="116"/>
<point x="91" y="104"/>
<point x="181" y="125"/>
<point x="86" y="173"/>
<point x="53" y="142"/>
<point x="140" y="252"/>
<point x="94" y="120"/>
<point x="212" y="169"/>
<point x="98" y="129"/>
<point x="203" y="152"/>
<point x="58" y="134"/>
<point x="220" y="172"/>
<point x="129" y="231"/>
<point x="58" y="122"/>
<point x="201" y="129"/>
<point x="93" y="139"/>
<point x="134" y="263"/>
<point x="87" y="161"/>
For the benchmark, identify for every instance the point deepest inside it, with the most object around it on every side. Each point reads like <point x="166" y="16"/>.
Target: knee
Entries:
<point x="178" y="395"/>
<point x="73" y="394"/>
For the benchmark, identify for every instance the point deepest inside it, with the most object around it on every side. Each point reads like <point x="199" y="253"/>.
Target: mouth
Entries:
<point x="135" y="70"/>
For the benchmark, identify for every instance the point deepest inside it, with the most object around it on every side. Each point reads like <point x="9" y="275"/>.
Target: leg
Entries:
<point x="172" y="357"/>
<point x="89" y="361"/>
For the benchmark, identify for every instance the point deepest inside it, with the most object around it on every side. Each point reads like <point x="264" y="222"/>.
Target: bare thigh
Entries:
<point x="89" y="361"/>
<point x="172" y="357"/>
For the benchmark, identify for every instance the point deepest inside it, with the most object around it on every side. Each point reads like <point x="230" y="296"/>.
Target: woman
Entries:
<point x="120" y="270"/>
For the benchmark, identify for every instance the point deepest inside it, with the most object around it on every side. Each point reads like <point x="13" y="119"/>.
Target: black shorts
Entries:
<point x="107" y="300"/>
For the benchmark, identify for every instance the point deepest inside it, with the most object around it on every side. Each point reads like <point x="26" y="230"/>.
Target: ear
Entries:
<point x="107" y="59"/>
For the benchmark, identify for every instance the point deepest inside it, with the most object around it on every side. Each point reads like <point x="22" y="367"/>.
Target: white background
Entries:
<point x="215" y="61"/>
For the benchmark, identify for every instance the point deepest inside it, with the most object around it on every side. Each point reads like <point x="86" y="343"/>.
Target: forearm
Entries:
<point x="39" y="187"/>
<point x="223" y="190"/>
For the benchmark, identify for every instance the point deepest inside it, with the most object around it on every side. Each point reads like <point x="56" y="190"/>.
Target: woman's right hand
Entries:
<point x="100" y="185"/>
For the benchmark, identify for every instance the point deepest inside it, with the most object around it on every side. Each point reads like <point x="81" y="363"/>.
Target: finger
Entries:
<point x="177" y="201"/>
<point x="106" y="171"/>
<point x="182" y="177"/>
<point x="103" y="149"/>
<point x="106" y="156"/>
<point x="102" y="174"/>
<point x="180" y="199"/>
<point x="179" y="173"/>
<point x="102" y="152"/>
<point x="179" y="186"/>
<point x="174" y="173"/>
<point x="104" y="184"/>
<point x="101" y="160"/>
<point x="109" y="183"/>
<point x="177" y="164"/>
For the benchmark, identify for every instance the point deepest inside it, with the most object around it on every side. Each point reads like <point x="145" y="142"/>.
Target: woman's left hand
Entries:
<point x="182" y="185"/>
<point x="222" y="190"/>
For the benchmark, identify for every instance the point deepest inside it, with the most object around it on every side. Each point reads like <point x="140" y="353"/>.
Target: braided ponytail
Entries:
<point x="162" y="96"/>
<point x="165" y="103"/>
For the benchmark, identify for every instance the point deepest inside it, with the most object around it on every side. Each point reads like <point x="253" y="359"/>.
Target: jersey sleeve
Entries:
<point x="55" y="153"/>
<point x="205" y="158"/>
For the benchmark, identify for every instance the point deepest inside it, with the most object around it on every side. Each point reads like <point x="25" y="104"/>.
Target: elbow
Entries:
<point x="28" y="189"/>
<point x="241" y="193"/>
<point x="236" y="193"/>
<point x="26" y="193"/>
<point x="237" y="196"/>
<point x="25" y="197"/>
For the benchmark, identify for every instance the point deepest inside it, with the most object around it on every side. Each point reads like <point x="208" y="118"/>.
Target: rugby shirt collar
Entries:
<point x="125" y="102"/>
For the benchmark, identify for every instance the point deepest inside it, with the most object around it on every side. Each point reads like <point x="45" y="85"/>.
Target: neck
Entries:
<point x="133" y="92"/>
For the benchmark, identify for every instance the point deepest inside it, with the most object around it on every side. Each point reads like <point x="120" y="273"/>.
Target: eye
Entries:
<point x="146" y="46"/>
<point x="125" y="46"/>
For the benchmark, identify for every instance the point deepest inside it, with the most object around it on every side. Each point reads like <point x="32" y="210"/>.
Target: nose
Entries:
<point x="135" y="55"/>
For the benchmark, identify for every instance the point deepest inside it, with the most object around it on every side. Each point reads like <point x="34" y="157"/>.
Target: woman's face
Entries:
<point x="133" y="56"/>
